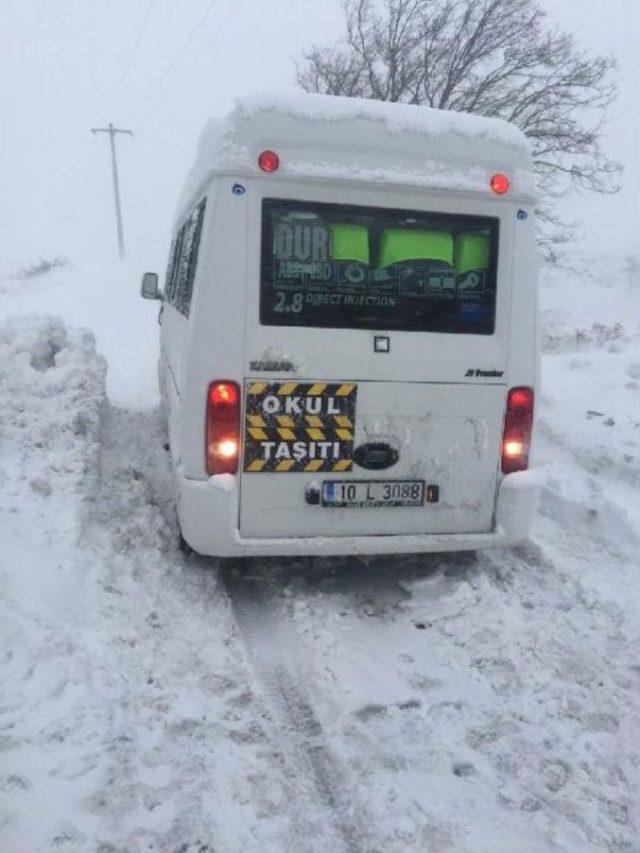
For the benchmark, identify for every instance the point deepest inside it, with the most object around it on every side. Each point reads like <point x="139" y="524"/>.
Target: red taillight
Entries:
<point x="500" y="183"/>
<point x="223" y="392"/>
<point x="516" y="437"/>
<point x="268" y="161"/>
<point x="222" y="434"/>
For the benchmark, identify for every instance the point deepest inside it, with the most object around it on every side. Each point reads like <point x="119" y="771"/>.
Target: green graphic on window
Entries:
<point x="472" y="252"/>
<point x="472" y="261"/>
<point x="397" y="246"/>
<point x="349" y="243"/>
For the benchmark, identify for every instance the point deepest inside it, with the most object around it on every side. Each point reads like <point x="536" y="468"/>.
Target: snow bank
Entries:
<point x="52" y="386"/>
<point x="128" y="717"/>
<point x="103" y="296"/>
<point x="54" y="382"/>
<point x="590" y="382"/>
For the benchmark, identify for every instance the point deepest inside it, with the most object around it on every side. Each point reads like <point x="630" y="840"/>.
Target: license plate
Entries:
<point x="372" y="493"/>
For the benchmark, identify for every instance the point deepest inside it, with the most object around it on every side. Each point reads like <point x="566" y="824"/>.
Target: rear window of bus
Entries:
<point x="342" y="266"/>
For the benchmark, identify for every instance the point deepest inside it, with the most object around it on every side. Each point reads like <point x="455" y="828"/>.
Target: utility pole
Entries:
<point x="111" y="130"/>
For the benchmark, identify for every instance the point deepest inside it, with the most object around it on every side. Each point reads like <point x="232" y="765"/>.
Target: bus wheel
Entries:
<point x="184" y="546"/>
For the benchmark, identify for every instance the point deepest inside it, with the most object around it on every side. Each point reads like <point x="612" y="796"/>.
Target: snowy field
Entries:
<point x="475" y="703"/>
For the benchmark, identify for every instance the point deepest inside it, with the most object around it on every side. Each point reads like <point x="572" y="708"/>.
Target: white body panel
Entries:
<point x="420" y="397"/>
<point x="446" y="434"/>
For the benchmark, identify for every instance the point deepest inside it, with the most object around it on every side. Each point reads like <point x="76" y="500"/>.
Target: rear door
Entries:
<point x="375" y="391"/>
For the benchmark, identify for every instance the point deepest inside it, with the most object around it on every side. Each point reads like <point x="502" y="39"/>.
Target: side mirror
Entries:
<point x="149" y="287"/>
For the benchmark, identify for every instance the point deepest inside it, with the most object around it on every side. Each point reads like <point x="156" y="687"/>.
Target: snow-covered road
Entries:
<point x="468" y="702"/>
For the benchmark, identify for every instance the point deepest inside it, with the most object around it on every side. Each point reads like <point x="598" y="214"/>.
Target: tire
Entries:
<point x="184" y="546"/>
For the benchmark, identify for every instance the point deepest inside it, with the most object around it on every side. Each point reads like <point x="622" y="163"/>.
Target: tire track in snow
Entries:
<point x="268" y="636"/>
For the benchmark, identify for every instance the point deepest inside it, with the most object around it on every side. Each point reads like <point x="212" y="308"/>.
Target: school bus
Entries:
<point x="349" y="331"/>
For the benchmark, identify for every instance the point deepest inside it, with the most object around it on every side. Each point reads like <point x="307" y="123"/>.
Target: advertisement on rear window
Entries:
<point x="341" y="266"/>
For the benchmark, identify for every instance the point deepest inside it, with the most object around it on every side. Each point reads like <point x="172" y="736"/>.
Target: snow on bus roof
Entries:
<point x="323" y="136"/>
<point x="396" y="117"/>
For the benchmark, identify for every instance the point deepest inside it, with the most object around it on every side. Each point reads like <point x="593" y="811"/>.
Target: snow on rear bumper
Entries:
<point x="208" y="513"/>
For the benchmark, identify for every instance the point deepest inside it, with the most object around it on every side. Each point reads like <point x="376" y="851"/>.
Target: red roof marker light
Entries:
<point x="268" y="161"/>
<point x="500" y="183"/>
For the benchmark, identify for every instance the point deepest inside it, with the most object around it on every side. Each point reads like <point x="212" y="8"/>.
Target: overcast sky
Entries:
<point x="161" y="68"/>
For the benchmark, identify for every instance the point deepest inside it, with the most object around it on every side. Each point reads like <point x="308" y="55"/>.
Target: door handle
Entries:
<point x="375" y="456"/>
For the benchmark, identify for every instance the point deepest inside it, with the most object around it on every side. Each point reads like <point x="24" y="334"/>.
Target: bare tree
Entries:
<point x="492" y="57"/>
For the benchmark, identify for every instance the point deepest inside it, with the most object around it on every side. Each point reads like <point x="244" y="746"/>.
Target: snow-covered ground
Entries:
<point x="468" y="702"/>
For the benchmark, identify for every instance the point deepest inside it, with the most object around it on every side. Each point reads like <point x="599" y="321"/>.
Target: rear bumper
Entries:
<point x="208" y="513"/>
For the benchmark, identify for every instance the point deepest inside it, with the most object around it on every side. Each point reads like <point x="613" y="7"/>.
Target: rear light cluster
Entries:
<point x="223" y="428"/>
<point x="516" y="437"/>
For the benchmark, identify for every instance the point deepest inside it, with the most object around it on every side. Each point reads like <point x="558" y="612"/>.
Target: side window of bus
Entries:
<point x="187" y="247"/>
<point x="170" y="279"/>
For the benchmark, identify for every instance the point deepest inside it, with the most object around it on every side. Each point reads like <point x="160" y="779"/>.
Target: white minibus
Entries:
<point x="349" y="331"/>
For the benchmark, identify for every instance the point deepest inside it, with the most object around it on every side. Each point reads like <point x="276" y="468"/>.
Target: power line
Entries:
<point x="197" y="59"/>
<point x="141" y="32"/>
<point x="209" y="43"/>
<point x="192" y="33"/>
